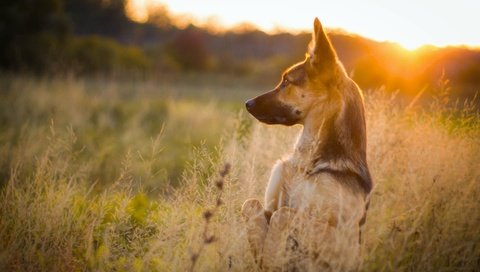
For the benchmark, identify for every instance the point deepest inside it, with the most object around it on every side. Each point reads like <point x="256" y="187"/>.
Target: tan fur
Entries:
<point x="317" y="197"/>
<point x="274" y="192"/>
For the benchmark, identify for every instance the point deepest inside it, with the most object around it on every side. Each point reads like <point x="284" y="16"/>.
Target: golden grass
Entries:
<point x="86" y="176"/>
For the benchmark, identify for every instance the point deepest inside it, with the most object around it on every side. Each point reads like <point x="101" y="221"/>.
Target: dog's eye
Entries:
<point x="285" y="82"/>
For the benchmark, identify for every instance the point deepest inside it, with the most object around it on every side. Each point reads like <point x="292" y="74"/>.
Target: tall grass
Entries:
<point x="103" y="176"/>
<point x="155" y="124"/>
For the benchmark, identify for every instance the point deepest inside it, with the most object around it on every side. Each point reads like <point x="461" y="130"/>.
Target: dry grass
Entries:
<point x="76" y="192"/>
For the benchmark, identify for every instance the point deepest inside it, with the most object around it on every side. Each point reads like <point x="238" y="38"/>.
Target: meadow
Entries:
<point x="118" y="175"/>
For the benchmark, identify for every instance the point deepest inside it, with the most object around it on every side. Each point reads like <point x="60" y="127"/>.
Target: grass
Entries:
<point x="107" y="175"/>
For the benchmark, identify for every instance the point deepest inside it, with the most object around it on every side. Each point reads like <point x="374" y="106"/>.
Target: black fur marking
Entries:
<point x="268" y="109"/>
<point x="331" y="148"/>
<point x="343" y="175"/>
<point x="345" y="141"/>
<point x="362" y="221"/>
<point x="353" y="120"/>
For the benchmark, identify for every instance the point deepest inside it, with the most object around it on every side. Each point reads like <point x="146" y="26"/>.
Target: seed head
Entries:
<point x="207" y="215"/>
<point x="209" y="240"/>
<point x="225" y="170"/>
<point x="219" y="184"/>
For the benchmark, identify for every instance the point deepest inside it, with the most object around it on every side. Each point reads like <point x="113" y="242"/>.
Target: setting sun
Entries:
<point x="410" y="23"/>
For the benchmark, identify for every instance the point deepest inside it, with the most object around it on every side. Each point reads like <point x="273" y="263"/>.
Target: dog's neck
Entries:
<point x="336" y="142"/>
<point x="311" y="141"/>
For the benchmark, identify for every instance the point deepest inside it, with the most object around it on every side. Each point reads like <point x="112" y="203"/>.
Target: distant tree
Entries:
<point x="99" y="17"/>
<point x="188" y="49"/>
<point x="100" y="55"/>
<point x="244" y="27"/>
<point x="33" y="34"/>
<point x="470" y="74"/>
<point x="160" y="16"/>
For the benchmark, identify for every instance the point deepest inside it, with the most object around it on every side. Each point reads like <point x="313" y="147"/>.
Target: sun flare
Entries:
<point x="137" y="10"/>
<point x="409" y="23"/>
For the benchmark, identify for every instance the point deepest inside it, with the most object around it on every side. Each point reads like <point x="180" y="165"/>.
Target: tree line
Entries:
<point x="89" y="37"/>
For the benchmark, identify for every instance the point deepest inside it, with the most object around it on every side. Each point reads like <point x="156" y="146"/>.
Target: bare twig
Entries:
<point x="208" y="214"/>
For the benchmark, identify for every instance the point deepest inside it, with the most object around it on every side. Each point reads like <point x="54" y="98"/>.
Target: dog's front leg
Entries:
<point x="274" y="193"/>
<point x="256" y="225"/>
<point x="276" y="244"/>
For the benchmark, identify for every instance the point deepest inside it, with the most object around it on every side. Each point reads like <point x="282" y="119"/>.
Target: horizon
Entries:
<point x="404" y="23"/>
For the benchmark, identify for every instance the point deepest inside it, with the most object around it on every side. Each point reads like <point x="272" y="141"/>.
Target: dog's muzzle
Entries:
<point x="267" y="109"/>
<point x="250" y="104"/>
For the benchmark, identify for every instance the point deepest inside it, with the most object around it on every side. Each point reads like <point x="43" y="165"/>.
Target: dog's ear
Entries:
<point x="321" y="51"/>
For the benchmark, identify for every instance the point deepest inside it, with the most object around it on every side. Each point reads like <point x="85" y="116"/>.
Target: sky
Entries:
<point x="411" y="23"/>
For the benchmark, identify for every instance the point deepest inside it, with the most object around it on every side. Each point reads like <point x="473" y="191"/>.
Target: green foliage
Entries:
<point x="36" y="37"/>
<point x="96" y="55"/>
<point x="114" y="123"/>
<point x="138" y="208"/>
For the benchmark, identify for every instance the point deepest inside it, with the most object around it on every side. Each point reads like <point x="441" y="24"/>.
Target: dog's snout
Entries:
<point x="249" y="104"/>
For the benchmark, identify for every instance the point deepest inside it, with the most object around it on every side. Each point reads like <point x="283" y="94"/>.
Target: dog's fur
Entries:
<point x="316" y="199"/>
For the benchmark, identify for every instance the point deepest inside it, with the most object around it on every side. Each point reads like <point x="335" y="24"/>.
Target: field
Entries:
<point x="111" y="175"/>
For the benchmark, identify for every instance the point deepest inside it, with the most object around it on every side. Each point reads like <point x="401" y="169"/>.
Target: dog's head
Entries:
<point x="302" y="86"/>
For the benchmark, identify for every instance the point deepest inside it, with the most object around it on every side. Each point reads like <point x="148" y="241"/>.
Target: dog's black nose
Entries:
<point x="250" y="103"/>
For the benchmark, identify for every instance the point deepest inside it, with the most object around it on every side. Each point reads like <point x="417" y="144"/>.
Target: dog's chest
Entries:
<point x="302" y="190"/>
<point x="321" y="194"/>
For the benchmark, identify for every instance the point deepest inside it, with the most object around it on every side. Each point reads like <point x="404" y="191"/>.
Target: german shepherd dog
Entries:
<point x="316" y="199"/>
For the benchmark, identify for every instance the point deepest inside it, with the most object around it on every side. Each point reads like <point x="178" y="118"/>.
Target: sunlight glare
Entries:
<point x="409" y="23"/>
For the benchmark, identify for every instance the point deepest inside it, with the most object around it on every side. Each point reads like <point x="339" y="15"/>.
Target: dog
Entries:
<point x="317" y="198"/>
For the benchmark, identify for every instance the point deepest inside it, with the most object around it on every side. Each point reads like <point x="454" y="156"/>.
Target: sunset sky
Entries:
<point x="411" y="23"/>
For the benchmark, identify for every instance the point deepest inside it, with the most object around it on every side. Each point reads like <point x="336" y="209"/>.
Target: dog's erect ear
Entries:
<point x="320" y="50"/>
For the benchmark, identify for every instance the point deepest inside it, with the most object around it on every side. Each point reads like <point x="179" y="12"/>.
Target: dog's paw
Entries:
<point x="256" y="226"/>
<point x="252" y="208"/>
